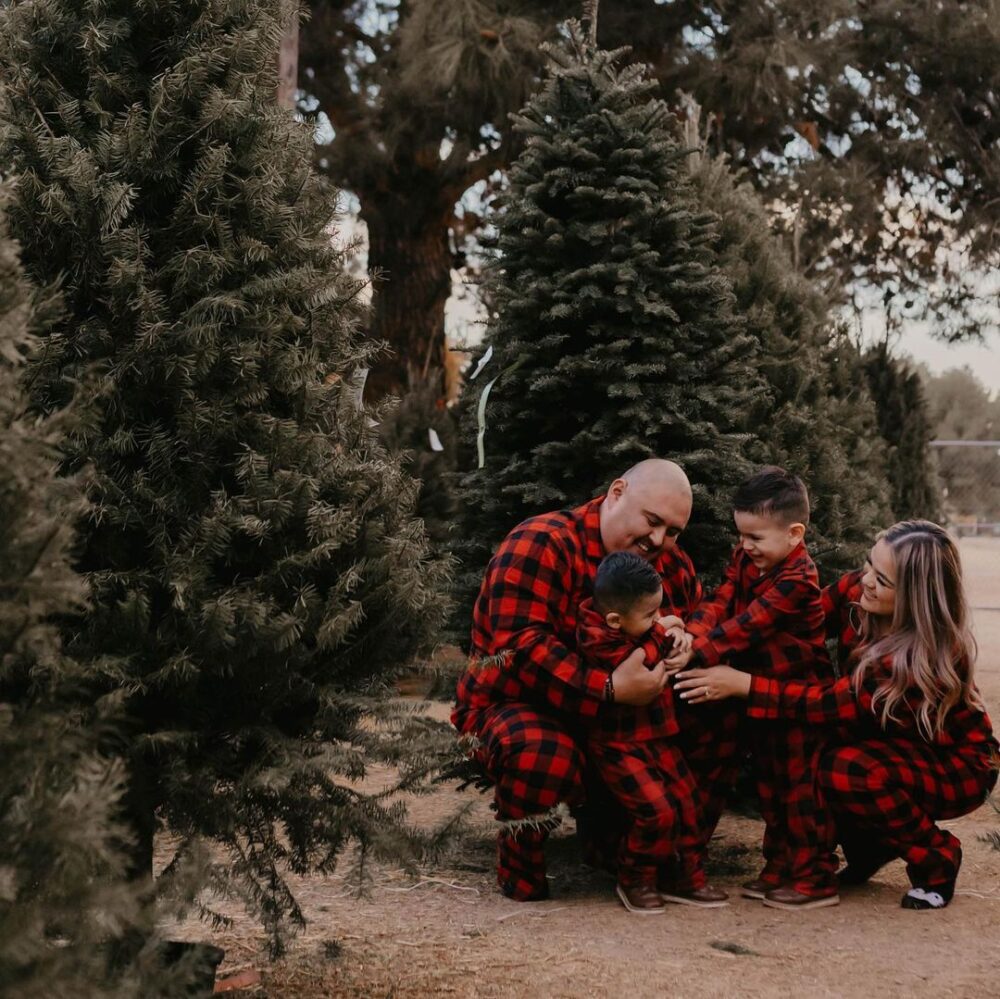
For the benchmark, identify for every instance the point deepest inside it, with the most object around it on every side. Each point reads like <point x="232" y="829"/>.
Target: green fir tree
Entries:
<point x="63" y="895"/>
<point x="422" y="429"/>
<point x="905" y="425"/>
<point x="256" y="569"/>
<point x="811" y="422"/>
<point x="614" y="336"/>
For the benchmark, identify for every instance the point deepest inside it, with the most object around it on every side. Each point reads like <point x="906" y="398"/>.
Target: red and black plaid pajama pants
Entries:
<point x="895" y="790"/>
<point x="535" y="764"/>
<point x="711" y="743"/>
<point x="798" y="830"/>
<point x="658" y="795"/>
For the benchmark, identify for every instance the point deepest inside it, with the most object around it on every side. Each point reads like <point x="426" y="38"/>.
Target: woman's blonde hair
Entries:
<point x="929" y="645"/>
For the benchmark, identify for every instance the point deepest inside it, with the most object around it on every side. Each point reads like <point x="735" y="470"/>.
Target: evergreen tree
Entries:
<point x="422" y="429"/>
<point x="904" y="423"/>
<point x="62" y="891"/>
<point x="255" y="565"/>
<point x="802" y="424"/>
<point x="614" y="336"/>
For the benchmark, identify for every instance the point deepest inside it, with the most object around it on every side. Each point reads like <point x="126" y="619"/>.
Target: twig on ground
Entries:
<point x="528" y="912"/>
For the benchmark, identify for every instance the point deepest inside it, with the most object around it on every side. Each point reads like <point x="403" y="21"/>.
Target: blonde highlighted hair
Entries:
<point x="929" y="646"/>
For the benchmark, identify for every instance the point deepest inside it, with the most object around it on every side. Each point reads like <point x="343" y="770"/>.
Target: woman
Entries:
<point x="913" y="742"/>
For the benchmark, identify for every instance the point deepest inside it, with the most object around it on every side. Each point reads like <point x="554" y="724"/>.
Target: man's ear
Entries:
<point x="617" y="488"/>
<point x="796" y="533"/>
<point x="614" y="620"/>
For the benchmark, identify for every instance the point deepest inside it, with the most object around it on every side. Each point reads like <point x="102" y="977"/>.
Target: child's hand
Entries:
<point x="677" y="659"/>
<point x="682" y="640"/>
<point x="713" y="684"/>
<point x="669" y="621"/>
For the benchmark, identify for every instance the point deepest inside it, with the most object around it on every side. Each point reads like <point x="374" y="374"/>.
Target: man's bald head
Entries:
<point x="658" y="473"/>
<point x="646" y="508"/>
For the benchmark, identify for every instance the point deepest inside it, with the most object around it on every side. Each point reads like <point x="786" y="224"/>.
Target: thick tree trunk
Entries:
<point x="408" y="251"/>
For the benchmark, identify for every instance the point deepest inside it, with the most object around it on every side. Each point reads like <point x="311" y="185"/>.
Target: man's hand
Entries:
<point x="714" y="684"/>
<point x="634" y="683"/>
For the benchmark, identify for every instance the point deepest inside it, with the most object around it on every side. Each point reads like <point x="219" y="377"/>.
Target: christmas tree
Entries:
<point x="422" y="430"/>
<point x="614" y="336"/>
<point x="255" y="566"/>
<point x="810" y="422"/>
<point x="904" y="423"/>
<point x="63" y="894"/>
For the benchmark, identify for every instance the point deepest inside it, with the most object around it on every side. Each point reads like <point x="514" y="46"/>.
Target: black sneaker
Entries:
<point x="936" y="897"/>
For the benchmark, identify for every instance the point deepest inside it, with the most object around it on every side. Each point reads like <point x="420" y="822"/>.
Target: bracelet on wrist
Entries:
<point x="609" y="690"/>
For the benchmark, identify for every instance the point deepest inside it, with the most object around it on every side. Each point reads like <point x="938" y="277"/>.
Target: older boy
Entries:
<point x="767" y="617"/>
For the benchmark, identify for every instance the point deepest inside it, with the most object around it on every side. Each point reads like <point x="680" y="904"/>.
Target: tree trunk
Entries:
<point x="288" y="60"/>
<point x="408" y="251"/>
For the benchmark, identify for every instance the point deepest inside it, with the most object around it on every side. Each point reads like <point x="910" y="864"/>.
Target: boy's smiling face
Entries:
<point x="766" y="538"/>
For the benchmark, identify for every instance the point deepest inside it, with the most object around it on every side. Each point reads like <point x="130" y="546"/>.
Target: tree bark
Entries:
<point x="409" y="254"/>
<point x="288" y="61"/>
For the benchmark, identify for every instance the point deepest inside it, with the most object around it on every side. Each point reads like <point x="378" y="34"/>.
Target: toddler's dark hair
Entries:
<point x="622" y="578"/>
<point x="773" y="492"/>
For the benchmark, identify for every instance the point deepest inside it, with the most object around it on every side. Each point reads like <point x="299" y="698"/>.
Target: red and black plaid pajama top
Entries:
<point x="527" y="703"/>
<point x="891" y="781"/>
<point x="772" y="623"/>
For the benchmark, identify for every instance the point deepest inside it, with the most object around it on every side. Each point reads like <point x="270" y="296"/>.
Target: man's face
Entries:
<point x="643" y="517"/>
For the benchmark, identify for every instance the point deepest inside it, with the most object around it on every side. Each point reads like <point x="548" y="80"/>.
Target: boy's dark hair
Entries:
<point x="621" y="579"/>
<point x="773" y="492"/>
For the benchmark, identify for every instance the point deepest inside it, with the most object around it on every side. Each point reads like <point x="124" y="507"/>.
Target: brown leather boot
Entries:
<point x="787" y="897"/>
<point x="643" y="900"/>
<point x="705" y="898"/>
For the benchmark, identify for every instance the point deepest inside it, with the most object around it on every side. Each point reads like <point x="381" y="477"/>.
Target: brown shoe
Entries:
<point x="756" y="888"/>
<point x="788" y="898"/>
<point x="705" y="898"/>
<point x="643" y="900"/>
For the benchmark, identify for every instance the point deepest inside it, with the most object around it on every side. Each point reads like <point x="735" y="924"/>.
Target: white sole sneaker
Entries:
<point x="684" y="900"/>
<point x="750" y="893"/>
<point x="814" y="903"/>
<point x="623" y="898"/>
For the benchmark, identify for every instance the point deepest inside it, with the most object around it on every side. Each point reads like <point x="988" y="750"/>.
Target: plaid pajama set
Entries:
<point x="886" y="786"/>
<point x="772" y="624"/>
<point x="528" y="704"/>
<point x="633" y="751"/>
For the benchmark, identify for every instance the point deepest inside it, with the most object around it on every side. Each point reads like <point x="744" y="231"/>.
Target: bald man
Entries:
<point x="525" y="704"/>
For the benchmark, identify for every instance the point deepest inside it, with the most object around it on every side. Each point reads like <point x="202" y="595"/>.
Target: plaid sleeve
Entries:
<point x="836" y="600"/>
<point x="763" y="617"/>
<point x="529" y="591"/>
<point x="658" y="645"/>
<point x="815" y="703"/>
<point x="717" y="607"/>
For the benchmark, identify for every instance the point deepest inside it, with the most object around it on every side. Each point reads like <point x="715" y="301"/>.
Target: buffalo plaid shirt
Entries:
<point x="606" y="647"/>
<point x="770" y="622"/>
<point x="840" y="605"/>
<point x="527" y="613"/>
<point x="967" y="732"/>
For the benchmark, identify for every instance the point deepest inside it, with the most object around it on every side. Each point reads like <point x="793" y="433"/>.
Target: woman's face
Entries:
<point x="878" y="581"/>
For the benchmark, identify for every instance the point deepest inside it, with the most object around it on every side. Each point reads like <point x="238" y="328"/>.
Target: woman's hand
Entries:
<point x="713" y="684"/>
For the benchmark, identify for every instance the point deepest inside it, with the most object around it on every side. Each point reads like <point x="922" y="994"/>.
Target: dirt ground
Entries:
<point x="450" y="932"/>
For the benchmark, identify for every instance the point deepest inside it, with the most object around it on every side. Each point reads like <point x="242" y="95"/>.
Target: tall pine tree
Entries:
<point x="255" y="565"/>
<point x="905" y="425"/>
<point x="810" y="423"/>
<point x="614" y="336"/>
<point x="62" y="889"/>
